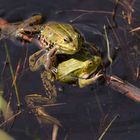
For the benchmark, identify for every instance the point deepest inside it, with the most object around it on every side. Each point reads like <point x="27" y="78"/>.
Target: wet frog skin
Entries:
<point x="82" y="67"/>
<point x="56" y="38"/>
<point x="77" y="67"/>
<point x="52" y="37"/>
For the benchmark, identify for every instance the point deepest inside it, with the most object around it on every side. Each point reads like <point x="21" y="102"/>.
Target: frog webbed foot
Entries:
<point x="41" y="114"/>
<point x="84" y="82"/>
<point x="29" y="28"/>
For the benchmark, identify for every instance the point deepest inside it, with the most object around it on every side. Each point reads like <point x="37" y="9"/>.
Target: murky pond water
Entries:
<point x="87" y="111"/>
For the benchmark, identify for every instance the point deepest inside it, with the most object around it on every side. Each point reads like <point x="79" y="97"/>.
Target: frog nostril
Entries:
<point x="90" y="63"/>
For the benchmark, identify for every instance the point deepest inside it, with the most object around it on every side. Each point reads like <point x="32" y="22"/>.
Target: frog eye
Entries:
<point x="67" y="40"/>
<point x="90" y="63"/>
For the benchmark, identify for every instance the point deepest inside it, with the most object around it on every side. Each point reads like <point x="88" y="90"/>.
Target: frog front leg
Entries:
<point x="37" y="60"/>
<point x="48" y="76"/>
<point x="49" y="55"/>
<point x="42" y="58"/>
<point x="84" y="82"/>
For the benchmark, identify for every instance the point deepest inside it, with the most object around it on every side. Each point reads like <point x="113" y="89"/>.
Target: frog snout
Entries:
<point x="70" y="49"/>
<point x="74" y="49"/>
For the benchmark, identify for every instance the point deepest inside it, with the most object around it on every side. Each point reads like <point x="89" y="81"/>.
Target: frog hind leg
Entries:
<point x="35" y="101"/>
<point x="51" y="93"/>
<point x="35" y="62"/>
<point x="33" y="20"/>
<point x="48" y="82"/>
<point x="28" y="33"/>
<point x="29" y="27"/>
<point x="85" y="82"/>
<point x="44" y="118"/>
<point x="42" y="115"/>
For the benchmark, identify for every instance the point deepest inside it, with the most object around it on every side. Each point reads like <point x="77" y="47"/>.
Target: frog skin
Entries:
<point x="52" y="37"/>
<point x="82" y="67"/>
<point x="58" y="38"/>
<point x="16" y="31"/>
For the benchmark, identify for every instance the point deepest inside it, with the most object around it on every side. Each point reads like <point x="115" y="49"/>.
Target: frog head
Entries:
<point x="78" y="68"/>
<point x="90" y="66"/>
<point x="64" y="37"/>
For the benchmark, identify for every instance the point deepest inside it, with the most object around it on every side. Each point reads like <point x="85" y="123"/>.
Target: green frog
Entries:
<point x="83" y="68"/>
<point x="55" y="39"/>
<point x="62" y="39"/>
<point x="52" y="37"/>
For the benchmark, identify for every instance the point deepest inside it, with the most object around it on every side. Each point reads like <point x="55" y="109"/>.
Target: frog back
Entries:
<point x="58" y="31"/>
<point x="66" y="70"/>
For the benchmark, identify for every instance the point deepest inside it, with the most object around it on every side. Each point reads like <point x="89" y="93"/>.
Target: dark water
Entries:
<point x="89" y="110"/>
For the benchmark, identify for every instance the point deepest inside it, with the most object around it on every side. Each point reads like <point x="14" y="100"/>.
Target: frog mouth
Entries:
<point x="72" y="51"/>
<point x="68" y="50"/>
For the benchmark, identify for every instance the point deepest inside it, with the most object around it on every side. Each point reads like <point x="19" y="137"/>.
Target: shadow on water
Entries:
<point x="88" y="111"/>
